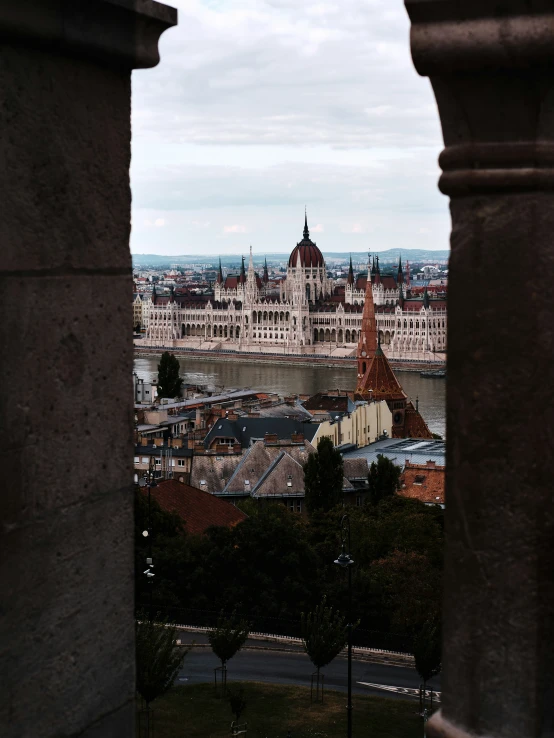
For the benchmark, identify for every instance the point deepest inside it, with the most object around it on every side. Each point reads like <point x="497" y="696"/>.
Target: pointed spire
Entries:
<point x="251" y="262"/>
<point x="220" y="273"/>
<point x="266" y="274"/>
<point x="242" y="277"/>
<point x="350" y="279"/>
<point x="399" y="274"/>
<point x="426" y="299"/>
<point x="378" y="270"/>
<point x="306" y="233"/>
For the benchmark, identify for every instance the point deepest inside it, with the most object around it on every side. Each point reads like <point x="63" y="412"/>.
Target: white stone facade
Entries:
<point x="310" y="316"/>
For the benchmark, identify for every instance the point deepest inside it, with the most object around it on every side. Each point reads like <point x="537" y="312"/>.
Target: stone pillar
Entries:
<point x="491" y="65"/>
<point x="66" y="408"/>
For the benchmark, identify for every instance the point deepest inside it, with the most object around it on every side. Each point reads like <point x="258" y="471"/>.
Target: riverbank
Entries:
<point x="248" y="357"/>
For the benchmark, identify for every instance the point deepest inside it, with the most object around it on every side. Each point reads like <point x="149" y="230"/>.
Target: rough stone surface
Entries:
<point x="491" y="68"/>
<point x="66" y="538"/>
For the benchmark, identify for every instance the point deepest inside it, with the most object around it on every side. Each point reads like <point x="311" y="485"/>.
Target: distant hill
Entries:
<point x="234" y="260"/>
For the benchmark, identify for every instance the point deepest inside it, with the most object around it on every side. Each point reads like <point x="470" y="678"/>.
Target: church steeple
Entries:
<point x="242" y="278"/>
<point x="219" y="279"/>
<point x="306" y="233"/>
<point x="368" y="335"/>
<point x="266" y="274"/>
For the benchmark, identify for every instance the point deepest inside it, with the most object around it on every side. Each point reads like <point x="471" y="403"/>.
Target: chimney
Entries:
<point x="158" y="442"/>
<point x="297" y="438"/>
<point x="144" y="441"/>
<point x="177" y="443"/>
<point x="270" y="438"/>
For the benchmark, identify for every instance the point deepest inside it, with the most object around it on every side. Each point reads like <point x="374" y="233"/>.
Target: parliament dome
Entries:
<point x="310" y="255"/>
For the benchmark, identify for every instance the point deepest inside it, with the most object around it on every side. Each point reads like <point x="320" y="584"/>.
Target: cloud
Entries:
<point x="259" y="107"/>
<point x="255" y="71"/>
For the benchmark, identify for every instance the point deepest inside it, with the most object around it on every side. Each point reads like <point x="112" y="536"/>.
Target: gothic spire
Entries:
<point x="350" y="279"/>
<point x="220" y="273"/>
<point x="242" y="277"/>
<point x="306" y="233"/>
<point x="266" y="275"/>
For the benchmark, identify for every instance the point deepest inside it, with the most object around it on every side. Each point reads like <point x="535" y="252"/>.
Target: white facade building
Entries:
<point x="311" y="315"/>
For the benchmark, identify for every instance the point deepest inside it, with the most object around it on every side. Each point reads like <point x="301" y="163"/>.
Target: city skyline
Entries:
<point x="262" y="109"/>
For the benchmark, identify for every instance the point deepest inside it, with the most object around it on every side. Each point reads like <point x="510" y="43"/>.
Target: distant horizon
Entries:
<point x="257" y="254"/>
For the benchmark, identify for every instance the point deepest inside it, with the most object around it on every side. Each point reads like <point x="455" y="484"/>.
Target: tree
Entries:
<point x="383" y="479"/>
<point x="228" y="636"/>
<point x="158" y="660"/>
<point x="428" y="652"/>
<point x="237" y="702"/>
<point x="169" y="381"/>
<point x="324" y="633"/>
<point x="323" y="477"/>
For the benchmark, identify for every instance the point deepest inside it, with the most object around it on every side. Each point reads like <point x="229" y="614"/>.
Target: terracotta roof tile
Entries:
<point x="424" y="482"/>
<point x="198" y="509"/>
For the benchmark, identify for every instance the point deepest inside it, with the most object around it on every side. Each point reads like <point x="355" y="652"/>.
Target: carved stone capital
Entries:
<point x="123" y="33"/>
<point x="491" y="65"/>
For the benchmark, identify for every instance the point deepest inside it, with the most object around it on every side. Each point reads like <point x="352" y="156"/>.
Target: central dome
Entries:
<point x="310" y="255"/>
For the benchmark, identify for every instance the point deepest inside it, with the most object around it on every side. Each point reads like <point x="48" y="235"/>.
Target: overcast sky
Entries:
<point x="260" y="107"/>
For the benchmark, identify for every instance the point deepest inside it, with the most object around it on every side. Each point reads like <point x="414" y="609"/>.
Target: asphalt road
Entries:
<point x="279" y="667"/>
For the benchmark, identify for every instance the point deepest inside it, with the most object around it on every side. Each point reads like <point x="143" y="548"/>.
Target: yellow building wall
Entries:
<point x="364" y="426"/>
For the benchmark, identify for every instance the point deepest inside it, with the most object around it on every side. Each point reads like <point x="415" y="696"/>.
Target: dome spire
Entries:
<point x="306" y="231"/>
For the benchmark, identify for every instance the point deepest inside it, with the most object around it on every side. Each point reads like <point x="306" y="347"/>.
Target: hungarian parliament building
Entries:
<point x="305" y="312"/>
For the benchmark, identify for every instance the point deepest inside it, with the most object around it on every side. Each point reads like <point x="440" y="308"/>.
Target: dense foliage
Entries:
<point x="169" y="381"/>
<point x="324" y="633"/>
<point x="228" y="636"/>
<point x="323" y="477"/>
<point x="158" y="659"/>
<point x="383" y="479"/>
<point x="275" y="565"/>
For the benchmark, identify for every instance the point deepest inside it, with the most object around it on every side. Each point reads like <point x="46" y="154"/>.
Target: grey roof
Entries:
<point x="284" y="410"/>
<point x="196" y="401"/>
<point x="215" y="471"/>
<point x="401" y="450"/>
<point x="258" y="461"/>
<point x="248" y="430"/>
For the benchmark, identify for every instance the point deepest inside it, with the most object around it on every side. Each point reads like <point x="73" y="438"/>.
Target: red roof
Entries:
<point x="310" y="255"/>
<point x="199" y="510"/>
<point x="424" y="482"/>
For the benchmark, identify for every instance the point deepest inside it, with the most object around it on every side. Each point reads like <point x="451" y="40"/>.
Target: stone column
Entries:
<point x="66" y="408"/>
<point x="491" y="65"/>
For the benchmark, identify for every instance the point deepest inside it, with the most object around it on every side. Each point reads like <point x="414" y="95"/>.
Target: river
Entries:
<point x="286" y="380"/>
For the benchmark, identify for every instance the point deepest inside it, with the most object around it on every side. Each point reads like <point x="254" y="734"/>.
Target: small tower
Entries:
<point x="266" y="274"/>
<point x="219" y="279"/>
<point x="425" y="299"/>
<point x="400" y="274"/>
<point x="350" y="280"/>
<point x="368" y="335"/>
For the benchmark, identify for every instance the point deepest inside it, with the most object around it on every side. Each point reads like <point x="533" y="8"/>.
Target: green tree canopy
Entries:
<point x="158" y="658"/>
<point x="169" y="381"/>
<point x="427" y="650"/>
<point x="383" y="479"/>
<point x="323" y="477"/>
<point x="324" y="633"/>
<point x="228" y="636"/>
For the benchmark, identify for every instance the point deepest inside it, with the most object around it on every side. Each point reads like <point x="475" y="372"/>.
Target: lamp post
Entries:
<point x="345" y="561"/>
<point x="148" y="480"/>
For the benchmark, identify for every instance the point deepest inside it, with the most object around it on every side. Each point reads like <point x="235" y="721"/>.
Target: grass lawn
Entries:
<point x="271" y="710"/>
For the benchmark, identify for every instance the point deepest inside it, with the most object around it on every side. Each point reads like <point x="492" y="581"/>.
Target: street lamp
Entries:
<point x="345" y="561"/>
<point x="148" y="480"/>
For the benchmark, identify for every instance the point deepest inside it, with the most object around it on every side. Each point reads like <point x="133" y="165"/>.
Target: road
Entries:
<point x="279" y="667"/>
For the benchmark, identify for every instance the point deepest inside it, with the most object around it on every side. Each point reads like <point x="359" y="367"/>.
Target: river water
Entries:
<point x="288" y="379"/>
